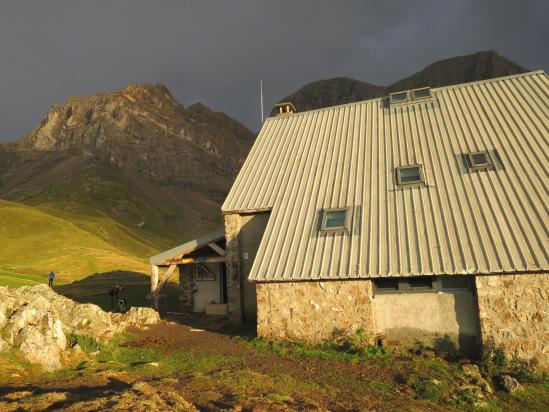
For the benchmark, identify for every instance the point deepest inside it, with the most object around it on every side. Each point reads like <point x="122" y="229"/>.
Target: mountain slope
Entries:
<point x="455" y="70"/>
<point x="33" y="242"/>
<point x="331" y="92"/>
<point x="136" y="155"/>
<point x="461" y="69"/>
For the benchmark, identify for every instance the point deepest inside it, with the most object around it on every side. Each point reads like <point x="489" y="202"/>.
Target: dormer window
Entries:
<point x="409" y="175"/>
<point x="334" y="219"/>
<point x="479" y="160"/>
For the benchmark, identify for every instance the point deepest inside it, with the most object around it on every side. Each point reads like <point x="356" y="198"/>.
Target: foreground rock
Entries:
<point x="37" y="321"/>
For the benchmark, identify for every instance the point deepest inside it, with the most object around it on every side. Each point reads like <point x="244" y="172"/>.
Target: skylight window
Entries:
<point x="399" y="97"/>
<point x="480" y="160"/>
<point x="421" y="94"/>
<point x="334" y="219"/>
<point x="409" y="175"/>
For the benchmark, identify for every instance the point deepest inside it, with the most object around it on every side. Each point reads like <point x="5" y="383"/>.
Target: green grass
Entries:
<point x="119" y="355"/>
<point x="14" y="280"/>
<point x="346" y="351"/>
<point x="34" y="241"/>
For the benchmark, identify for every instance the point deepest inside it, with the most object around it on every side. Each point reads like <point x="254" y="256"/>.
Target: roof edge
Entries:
<point x="493" y="79"/>
<point x="187" y="247"/>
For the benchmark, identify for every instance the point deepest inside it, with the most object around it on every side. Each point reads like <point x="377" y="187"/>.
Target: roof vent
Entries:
<point x="284" y="108"/>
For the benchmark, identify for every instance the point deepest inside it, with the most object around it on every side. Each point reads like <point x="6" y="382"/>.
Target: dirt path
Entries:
<point x="317" y="383"/>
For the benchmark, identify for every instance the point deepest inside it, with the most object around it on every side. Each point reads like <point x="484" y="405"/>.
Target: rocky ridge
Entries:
<point x="455" y="70"/>
<point x="38" y="322"/>
<point x="136" y="154"/>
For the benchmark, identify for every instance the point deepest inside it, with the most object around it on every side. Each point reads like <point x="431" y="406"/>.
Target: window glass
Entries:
<point x="422" y="93"/>
<point x="425" y="282"/>
<point x="456" y="282"/>
<point x="480" y="159"/>
<point x="386" y="284"/>
<point x="399" y="97"/>
<point x="409" y="175"/>
<point x="334" y="219"/>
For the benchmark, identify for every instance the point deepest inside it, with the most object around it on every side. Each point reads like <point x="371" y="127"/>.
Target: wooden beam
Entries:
<point x="186" y="261"/>
<point x="217" y="248"/>
<point x="154" y="286"/>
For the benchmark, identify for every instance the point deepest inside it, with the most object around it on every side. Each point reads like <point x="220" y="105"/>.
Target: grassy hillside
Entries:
<point x="35" y="240"/>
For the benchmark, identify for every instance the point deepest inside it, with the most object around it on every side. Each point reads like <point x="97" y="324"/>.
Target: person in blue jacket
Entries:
<point x="51" y="277"/>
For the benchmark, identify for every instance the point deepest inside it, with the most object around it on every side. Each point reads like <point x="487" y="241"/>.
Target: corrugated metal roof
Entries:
<point x="460" y="222"/>
<point x="186" y="248"/>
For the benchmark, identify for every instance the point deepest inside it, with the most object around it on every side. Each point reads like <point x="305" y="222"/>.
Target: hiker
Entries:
<point x="51" y="277"/>
<point x="113" y="293"/>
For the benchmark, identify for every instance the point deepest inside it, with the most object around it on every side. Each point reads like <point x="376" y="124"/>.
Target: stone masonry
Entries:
<point x="314" y="311"/>
<point x="186" y="297"/>
<point x="232" y="256"/>
<point x="514" y="310"/>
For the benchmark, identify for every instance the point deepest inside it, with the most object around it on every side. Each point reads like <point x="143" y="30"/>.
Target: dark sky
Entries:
<point x="216" y="52"/>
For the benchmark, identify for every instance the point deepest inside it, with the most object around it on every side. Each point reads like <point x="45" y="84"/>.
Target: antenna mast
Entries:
<point x="261" y="95"/>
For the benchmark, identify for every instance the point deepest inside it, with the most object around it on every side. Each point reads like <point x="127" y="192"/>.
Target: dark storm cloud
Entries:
<point x="217" y="51"/>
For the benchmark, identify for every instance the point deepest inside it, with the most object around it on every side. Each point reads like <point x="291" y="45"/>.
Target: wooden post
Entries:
<point x="154" y="286"/>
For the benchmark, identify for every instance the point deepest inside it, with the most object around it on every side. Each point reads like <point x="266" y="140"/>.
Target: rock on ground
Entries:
<point x="37" y="320"/>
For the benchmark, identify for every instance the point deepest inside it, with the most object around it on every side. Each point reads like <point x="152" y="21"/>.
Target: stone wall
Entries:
<point x="186" y="288"/>
<point x="232" y="256"/>
<point x="314" y="311"/>
<point x="514" y="309"/>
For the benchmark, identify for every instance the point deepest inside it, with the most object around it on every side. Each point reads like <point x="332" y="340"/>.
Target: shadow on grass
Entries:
<point x="95" y="289"/>
<point x="73" y="394"/>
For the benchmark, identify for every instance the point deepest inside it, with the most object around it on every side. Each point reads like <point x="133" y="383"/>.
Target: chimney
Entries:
<point x="284" y="108"/>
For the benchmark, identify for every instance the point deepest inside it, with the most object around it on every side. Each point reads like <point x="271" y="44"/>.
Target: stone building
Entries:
<point x="422" y="216"/>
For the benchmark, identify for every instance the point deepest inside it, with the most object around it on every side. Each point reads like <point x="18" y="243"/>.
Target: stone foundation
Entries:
<point x="314" y="312"/>
<point x="514" y="310"/>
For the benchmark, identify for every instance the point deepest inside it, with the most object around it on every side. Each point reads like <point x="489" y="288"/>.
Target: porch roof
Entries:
<point x="167" y="257"/>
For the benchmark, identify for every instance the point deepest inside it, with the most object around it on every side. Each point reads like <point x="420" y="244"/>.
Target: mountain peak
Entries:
<point x="142" y="93"/>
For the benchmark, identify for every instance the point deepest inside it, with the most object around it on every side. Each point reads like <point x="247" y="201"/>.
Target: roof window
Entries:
<point x="409" y="175"/>
<point x="479" y="160"/>
<point x="334" y="219"/>
<point x="421" y="94"/>
<point x="411" y="96"/>
<point x="398" y="97"/>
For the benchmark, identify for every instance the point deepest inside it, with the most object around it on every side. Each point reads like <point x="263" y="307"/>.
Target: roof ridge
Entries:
<point x="493" y="79"/>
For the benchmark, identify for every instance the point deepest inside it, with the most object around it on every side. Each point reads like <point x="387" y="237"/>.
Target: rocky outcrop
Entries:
<point x="38" y="321"/>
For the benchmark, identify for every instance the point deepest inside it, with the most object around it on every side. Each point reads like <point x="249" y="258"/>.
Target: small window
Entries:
<point x="335" y="219"/>
<point x="398" y="97"/>
<point x="386" y="285"/>
<point x="423" y="93"/>
<point x="407" y="175"/>
<point x="480" y="160"/>
<point x="420" y="283"/>
<point x="456" y="283"/>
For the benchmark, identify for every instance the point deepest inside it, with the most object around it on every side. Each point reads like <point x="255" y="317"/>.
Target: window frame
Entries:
<point x="404" y="285"/>
<point x="420" y="99"/>
<point x="483" y="166"/>
<point x="324" y="216"/>
<point x="407" y="100"/>
<point x="419" y="182"/>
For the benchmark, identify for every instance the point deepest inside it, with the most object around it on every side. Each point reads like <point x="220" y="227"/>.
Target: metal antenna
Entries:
<point x="261" y="93"/>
